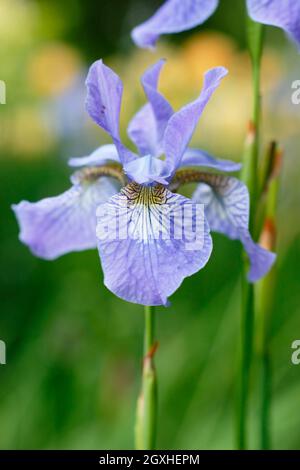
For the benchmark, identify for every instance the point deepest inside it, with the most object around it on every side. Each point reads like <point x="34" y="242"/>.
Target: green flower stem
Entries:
<point x="264" y="299"/>
<point x="250" y="173"/>
<point x="146" y="420"/>
<point x="250" y="177"/>
<point x="264" y="295"/>
<point x="247" y="324"/>
<point x="265" y="405"/>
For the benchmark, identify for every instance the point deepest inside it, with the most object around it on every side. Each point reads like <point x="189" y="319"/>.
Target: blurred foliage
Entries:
<point x="73" y="349"/>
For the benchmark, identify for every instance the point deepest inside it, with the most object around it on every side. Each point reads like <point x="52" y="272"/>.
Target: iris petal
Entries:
<point x="197" y="157"/>
<point x="261" y="260"/>
<point x="148" y="125"/>
<point x="103" y="103"/>
<point x="146" y="170"/>
<point x="284" y="14"/>
<point x="182" y="124"/>
<point x="173" y="16"/>
<point x="100" y="156"/>
<point x="142" y="130"/>
<point x="146" y="259"/>
<point x="161" y="108"/>
<point x="65" y="223"/>
<point x="226" y="202"/>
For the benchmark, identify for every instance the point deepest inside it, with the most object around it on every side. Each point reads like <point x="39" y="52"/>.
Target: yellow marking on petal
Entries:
<point x="92" y="173"/>
<point x="195" y="176"/>
<point x="145" y="195"/>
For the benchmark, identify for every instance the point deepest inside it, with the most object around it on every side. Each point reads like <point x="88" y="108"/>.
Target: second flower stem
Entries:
<point x="247" y="324"/>
<point x="250" y="177"/>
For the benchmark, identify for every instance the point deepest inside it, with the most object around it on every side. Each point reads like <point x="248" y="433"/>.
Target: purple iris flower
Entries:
<point x="175" y="16"/>
<point x="116" y="188"/>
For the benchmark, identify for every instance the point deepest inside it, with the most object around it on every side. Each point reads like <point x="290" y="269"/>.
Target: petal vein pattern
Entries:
<point x="149" y="240"/>
<point x="226" y="202"/>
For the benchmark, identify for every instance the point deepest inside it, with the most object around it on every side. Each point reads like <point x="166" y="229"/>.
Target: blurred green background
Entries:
<point x="74" y="350"/>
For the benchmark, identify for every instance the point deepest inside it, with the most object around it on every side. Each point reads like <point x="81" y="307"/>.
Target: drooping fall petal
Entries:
<point x="61" y="224"/>
<point x="149" y="240"/>
<point x="226" y="201"/>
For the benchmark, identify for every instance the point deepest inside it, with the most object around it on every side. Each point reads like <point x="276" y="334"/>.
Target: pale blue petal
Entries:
<point x="147" y="170"/>
<point x="282" y="13"/>
<point x="173" y="16"/>
<point x="104" y="95"/>
<point x="161" y="108"/>
<point x="142" y="130"/>
<point x="103" y="103"/>
<point x="182" y="124"/>
<point x="261" y="260"/>
<point x="147" y="127"/>
<point x="61" y="224"/>
<point x="100" y="156"/>
<point x="145" y="261"/>
<point x="226" y="202"/>
<point x="197" y="157"/>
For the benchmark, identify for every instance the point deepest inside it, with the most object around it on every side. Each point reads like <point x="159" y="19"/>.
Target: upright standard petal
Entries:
<point x="147" y="127"/>
<point x="173" y="16"/>
<point x="284" y="14"/>
<point x="161" y="108"/>
<point x="104" y="95"/>
<point x="100" y="156"/>
<point x="149" y="240"/>
<point x="197" y="157"/>
<point x="182" y="124"/>
<point x="103" y="103"/>
<point x="61" y="224"/>
<point x="226" y="201"/>
<point x="142" y="130"/>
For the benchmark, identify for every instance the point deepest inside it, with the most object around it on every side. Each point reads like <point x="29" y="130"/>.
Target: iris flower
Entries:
<point x="115" y="188"/>
<point x="175" y="16"/>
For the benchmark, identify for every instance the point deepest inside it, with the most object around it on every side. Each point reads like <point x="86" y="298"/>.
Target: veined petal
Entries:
<point x="146" y="170"/>
<point x="149" y="240"/>
<point x="284" y="14"/>
<point x="226" y="201"/>
<point x="147" y="127"/>
<point x="103" y="103"/>
<point x="197" y="157"/>
<point x="61" y="224"/>
<point x="100" y="156"/>
<point x="173" y="16"/>
<point x="182" y="124"/>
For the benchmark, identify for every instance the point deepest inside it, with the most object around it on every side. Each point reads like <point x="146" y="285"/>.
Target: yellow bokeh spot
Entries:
<point x="52" y="69"/>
